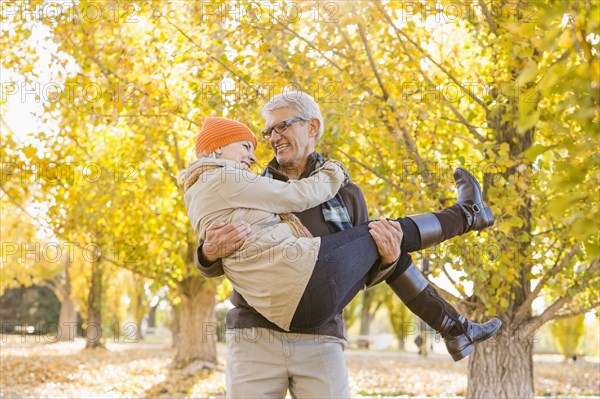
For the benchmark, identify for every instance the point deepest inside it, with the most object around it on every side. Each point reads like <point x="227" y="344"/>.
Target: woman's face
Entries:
<point x="240" y="151"/>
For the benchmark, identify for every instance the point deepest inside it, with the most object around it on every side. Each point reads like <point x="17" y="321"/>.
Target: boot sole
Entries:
<point x="467" y="350"/>
<point x="489" y="218"/>
<point x="463" y="353"/>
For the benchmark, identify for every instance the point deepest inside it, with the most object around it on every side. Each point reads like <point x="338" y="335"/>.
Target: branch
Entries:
<point x="361" y="32"/>
<point x="97" y="62"/>
<point x="562" y="57"/>
<point x="158" y="276"/>
<point x="59" y="289"/>
<point x="466" y="139"/>
<point x="169" y="172"/>
<point x="44" y="225"/>
<point x="78" y="245"/>
<point x="459" y="302"/>
<point x="410" y="143"/>
<point x="553" y="309"/>
<point x="377" y="306"/>
<point x="12" y="133"/>
<point x="331" y="62"/>
<point x="488" y="17"/>
<point x="379" y="175"/>
<point x="345" y="36"/>
<point x="178" y="159"/>
<point x="172" y="175"/>
<point x="217" y="60"/>
<point x="376" y="148"/>
<point x="473" y="126"/>
<point x="109" y="71"/>
<point x="577" y="312"/>
<point x="544" y="232"/>
<point x="165" y="166"/>
<point x="462" y="119"/>
<point x="399" y="31"/>
<point x="451" y="279"/>
<point x="525" y="307"/>
<point x="285" y="65"/>
<point x="445" y="294"/>
<point x="312" y="46"/>
<point x="124" y="115"/>
<point x="407" y="139"/>
<point x="551" y="246"/>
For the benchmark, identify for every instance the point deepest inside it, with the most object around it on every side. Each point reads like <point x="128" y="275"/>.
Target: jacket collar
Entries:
<point x="311" y="164"/>
<point x="202" y="163"/>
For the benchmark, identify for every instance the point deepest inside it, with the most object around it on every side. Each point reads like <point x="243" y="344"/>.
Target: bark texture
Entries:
<point x="503" y="366"/>
<point x="93" y="330"/>
<point x="197" y="345"/>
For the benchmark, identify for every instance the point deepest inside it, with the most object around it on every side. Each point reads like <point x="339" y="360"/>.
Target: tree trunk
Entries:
<point x="423" y="350"/>
<point x="175" y="324"/>
<point x="365" y="318"/>
<point x="67" y="320"/>
<point x="197" y="346"/>
<point x="401" y="344"/>
<point x="139" y="306"/>
<point x="503" y="366"/>
<point x="152" y="316"/>
<point x="93" y="330"/>
<point x="138" y="329"/>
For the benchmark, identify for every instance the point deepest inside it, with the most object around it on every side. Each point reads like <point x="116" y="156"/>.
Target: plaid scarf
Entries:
<point x="334" y="211"/>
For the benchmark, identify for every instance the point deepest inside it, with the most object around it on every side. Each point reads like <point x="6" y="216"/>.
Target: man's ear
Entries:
<point x="313" y="127"/>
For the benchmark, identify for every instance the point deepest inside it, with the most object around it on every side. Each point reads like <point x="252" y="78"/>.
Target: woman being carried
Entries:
<point x="294" y="279"/>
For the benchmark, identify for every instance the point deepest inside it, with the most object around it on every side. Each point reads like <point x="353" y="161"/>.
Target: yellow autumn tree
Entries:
<point x="408" y="91"/>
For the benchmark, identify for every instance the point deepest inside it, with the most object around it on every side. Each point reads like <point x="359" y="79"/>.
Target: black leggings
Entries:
<point x="343" y="264"/>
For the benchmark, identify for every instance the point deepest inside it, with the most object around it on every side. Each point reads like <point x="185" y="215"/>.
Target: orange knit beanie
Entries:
<point x="217" y="132"/>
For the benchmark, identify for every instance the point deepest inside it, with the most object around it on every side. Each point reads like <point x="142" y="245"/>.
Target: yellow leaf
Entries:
<point x="528" y="74"/>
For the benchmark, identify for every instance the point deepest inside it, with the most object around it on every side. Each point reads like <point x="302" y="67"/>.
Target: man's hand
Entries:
<point x="223" y="239"/>
<point x="388" y="237"/>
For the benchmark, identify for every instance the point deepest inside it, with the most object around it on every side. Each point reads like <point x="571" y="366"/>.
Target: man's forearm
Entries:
<point x="207" y="255"/>
<point x="207" y="267"/>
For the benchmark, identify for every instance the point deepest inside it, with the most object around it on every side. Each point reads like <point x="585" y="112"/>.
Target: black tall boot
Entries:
<point x="468" y="213"/>
<point x="460" y="334"/>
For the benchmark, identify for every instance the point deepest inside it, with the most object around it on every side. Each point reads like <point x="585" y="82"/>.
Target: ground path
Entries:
<point x="38" y="369"/>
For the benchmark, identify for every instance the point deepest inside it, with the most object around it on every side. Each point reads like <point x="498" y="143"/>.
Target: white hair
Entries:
<point x="304" y="105"/>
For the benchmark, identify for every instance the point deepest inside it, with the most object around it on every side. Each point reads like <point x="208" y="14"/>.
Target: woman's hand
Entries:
<point x="336" y="165"/>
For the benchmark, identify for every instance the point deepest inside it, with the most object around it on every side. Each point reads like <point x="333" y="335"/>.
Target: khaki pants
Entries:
<point x="263" y="363"/>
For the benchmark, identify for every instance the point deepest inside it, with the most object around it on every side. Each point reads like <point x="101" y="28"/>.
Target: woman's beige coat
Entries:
<point x="273" y="267"/>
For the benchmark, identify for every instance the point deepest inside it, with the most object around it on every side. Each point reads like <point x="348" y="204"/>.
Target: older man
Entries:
<point x="262" y="360"/>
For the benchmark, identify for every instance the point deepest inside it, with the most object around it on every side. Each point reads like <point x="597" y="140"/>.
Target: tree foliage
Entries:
<point x="567" y="334"/>
<point x="509" y="90"/>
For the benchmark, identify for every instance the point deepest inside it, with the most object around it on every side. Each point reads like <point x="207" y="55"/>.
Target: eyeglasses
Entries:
<point x="280" y="127"/>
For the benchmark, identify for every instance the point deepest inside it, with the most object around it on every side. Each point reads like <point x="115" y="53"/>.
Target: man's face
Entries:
<point x="293" y="146"/>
